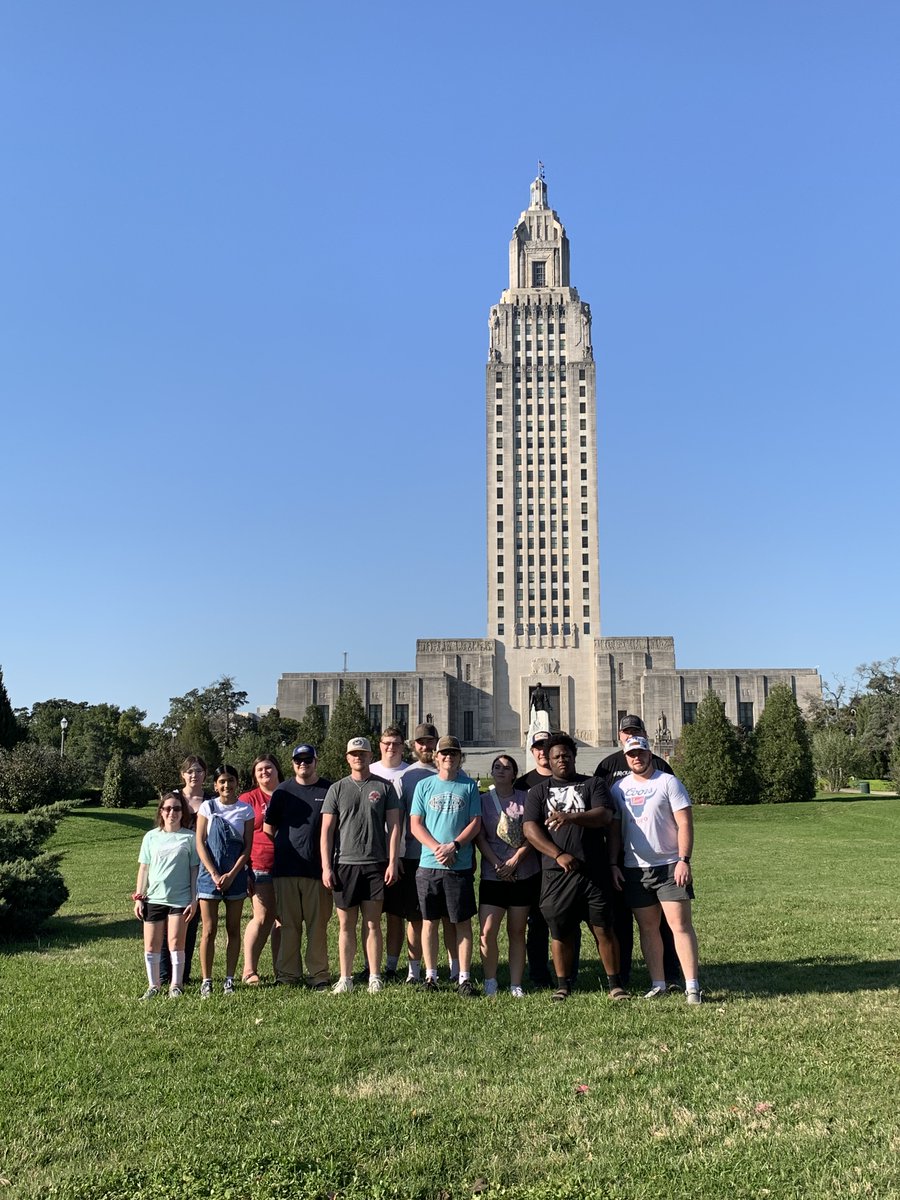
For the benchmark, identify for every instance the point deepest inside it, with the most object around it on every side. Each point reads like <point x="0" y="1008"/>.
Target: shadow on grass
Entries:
<point x="66" y="933"/>
<point x="801" y="976"/>
<point x="114" y="816"/>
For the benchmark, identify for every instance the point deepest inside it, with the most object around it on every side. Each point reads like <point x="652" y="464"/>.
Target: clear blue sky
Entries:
<point x="248" y="255"/>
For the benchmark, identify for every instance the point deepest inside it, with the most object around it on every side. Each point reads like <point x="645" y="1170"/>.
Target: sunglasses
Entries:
<point x="305" y="761"/>
<point x="170" y="810"/>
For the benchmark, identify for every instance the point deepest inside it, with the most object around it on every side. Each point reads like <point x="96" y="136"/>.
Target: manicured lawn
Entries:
<point x="785" y="1084"/>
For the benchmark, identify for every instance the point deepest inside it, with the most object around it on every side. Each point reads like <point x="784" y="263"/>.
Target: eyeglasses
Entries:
<point x="502" y="767"/>
<point x="171" y="810"/>
<point x="391" y="745"/>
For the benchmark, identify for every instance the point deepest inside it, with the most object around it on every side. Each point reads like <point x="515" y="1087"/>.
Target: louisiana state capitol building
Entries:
<point x="543" y="561"/>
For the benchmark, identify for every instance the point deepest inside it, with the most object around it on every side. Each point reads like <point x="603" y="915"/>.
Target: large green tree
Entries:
<point x="834" y="756"/>
<point x="33" y="776"/>
<point x="195" y="737"/>
<point x="219" y="703"/>
<point x="348" y="720"/>
<point x="711" y="759"/>
<point x="10" y="730"/>
<point x="782" y="757"/>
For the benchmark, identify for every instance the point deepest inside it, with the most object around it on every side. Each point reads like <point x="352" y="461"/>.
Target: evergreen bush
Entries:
<point x="782" y="757"/>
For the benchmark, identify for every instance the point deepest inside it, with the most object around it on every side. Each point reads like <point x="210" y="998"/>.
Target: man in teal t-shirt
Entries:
<point x="446" y="817"/>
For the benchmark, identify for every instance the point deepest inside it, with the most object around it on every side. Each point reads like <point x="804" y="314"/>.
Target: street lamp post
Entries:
<point x="63" y="726"/>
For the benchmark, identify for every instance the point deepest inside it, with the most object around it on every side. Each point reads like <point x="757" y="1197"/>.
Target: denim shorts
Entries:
<point x="207" y="890"/>
<point x="263" y="876"/>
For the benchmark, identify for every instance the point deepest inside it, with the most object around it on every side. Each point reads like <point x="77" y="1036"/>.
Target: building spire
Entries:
<point x="539" y="189"/>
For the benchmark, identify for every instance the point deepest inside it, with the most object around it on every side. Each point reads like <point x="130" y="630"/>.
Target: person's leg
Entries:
<point x="537" y="948"/>
<point x="290" y="912"/>
<point x="678" y="915"/>
<point x="393" y="940"/>
<point x="464" y="947"/>
<point x="516" y="922"/>
<point x="608" y="949"/>
<point x="430" y="946"/>
<point x="165" y="959"/>
<point x="371" y="915"/>
<point x="623" y="924"/>
<point x="190" y="944"/>
<point x="450" y="945"/>
<point x="318" y="905"/>
<point x="490" y="919"/>
<point x="414" y="947"/>
<point x="258" y="927"/>
<point x="562" y="951"/>
<point x="209" y="910"/>
<point x="153" y="940"/>
<point x="671" y="965"/>
<point x="347" y="918"/>
<point x="233" y="911"/>
<point x="651" y="943"/>
<point x="176" y="933"/>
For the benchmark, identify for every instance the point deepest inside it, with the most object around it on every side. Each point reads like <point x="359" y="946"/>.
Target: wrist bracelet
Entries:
<point x="137" y="896"/>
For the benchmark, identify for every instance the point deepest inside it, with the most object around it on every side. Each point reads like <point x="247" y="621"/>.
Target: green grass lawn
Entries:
<point x="785" y="1084"/>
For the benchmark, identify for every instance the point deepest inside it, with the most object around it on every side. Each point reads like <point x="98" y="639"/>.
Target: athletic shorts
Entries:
<point x="401" y="899"/>
<point x="154" y="913"/>
<point x="645" y="886"/>
<point x="568" y="898"/>
<point x="446" y="894"/>
<point x="358" y="882"/>
<point x="512" y="893"/>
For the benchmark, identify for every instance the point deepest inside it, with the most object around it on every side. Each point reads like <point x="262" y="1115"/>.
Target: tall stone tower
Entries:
<point x="543" y="582"/>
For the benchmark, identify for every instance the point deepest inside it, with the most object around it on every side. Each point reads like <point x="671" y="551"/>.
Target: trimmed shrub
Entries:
<point x="782" y="757"/>
<point x="33" y="776"/>
<point x="711" y="760"/>
<point x="31" y="885"/>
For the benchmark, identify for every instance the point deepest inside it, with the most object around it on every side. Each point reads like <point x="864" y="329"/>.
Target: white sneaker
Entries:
<point x="516" y="992"/>
<point x="376" y="984"/>
<point x="654" y="993"/>
<point x="490" y="987"/>
<point x="342" y="985"/>
<point x="694" y="997"/>
<point x="175" y="992"/>
<point x="151" y="993"/>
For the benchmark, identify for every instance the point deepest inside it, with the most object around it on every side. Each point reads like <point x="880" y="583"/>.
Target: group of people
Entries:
<point x="397" y="840"/>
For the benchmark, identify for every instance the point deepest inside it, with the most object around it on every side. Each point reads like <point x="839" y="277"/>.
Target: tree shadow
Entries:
<point x="67" y="933"/>
<point x="840" y="973"/>
<point x="113" y="816"/>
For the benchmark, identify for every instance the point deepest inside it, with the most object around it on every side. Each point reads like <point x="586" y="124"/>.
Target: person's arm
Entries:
<point x="269" y="830"/>
<point x="536" y="836"/>
<point x="614" y="848"/>
<point x="684" y="819"/>
<point x="392" y="818"/>
<point x="242" y="860"/>
<point x="326" y="847"/>
<point x="591" y="818"/>
<point x="203" y="850"/>
<point x="140" y="890"/>
<point x="444" y="852"/>
<point x="192" y="907"/>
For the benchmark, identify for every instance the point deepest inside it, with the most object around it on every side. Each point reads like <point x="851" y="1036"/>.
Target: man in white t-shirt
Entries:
<point x="658" y="837"/>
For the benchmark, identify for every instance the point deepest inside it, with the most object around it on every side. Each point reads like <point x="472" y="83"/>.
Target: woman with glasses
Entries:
<point x="267" y="776"/>
<point x="510" y="875"/>
<point x="193" y="775"/>
<point x="165" y="895"/>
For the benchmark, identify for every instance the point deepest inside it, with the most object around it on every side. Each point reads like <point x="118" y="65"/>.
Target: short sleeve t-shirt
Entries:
<point x="649" y="831"/>
<point x="295" y="814"/>
<point x="513" y="806"/>
<point x="414" y="775"/>
<point x="615" y="766"/>
<point x="572" y="795"/>
<point x="263" y="856"/>
<point x="361" y="809"/>
<point x="447" y="806"/>
<point x="237" y="814"/>
<point x="170" y="858"/>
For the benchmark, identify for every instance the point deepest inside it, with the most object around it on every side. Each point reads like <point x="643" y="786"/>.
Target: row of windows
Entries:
<point x="530" y="327"/>
<point x="543" y="628"/>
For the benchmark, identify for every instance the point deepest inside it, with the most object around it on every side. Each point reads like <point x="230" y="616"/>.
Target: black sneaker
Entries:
<point x="391" y="977"/>
<point x="430" y="986"/>
<point x="465" y="989"/>
<point x="361" y="976"/>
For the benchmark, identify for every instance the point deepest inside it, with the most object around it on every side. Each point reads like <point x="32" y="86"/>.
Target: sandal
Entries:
<point x="618" y="993"/>
<point x="560" y="995"/>
<point x="251" y="980"/>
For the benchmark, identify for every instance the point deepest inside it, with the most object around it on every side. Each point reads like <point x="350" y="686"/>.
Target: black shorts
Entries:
<point x="154" y="913"/>
<point x="512" y="893"/>
<point x="568" y="898"/>
<point x="645" y="886"/>
<point x="445" y="893"/>
<point x="401" y="899"/>
<point x="358" y="882"/>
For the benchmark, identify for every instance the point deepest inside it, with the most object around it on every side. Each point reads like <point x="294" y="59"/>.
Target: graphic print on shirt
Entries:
<point x="568" y="798"/>
<point x="446" y="802"/>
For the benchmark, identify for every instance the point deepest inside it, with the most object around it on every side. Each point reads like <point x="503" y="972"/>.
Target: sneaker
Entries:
<point x="431" y="986"/>
<point x="516" y="992"/>
<point x="206" y="989"/>
<point x="228" y="987"/>
<point x="391" y="976"/>
<point x="175" y="992"/>
<point x="150" y="993"/>
<point x="321" y="986"/>
<point x="465" y="989"/>
<point x="361" y="976"/>
<point x="413" y="981"/>
<point x="376" y="984"/>
<point x="490" y="987"/>
<point x="342" y="985"/>
<point x="694" y="997"/>
<point x="654" y="993"/>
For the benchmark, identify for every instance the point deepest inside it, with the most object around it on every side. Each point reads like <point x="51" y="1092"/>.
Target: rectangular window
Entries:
<point x="324" y="710"/>
<point x="538" y="274"/>
<point x="688" y="713"/>
<point x="375" y="718"/>
<point x="745" y="715"/>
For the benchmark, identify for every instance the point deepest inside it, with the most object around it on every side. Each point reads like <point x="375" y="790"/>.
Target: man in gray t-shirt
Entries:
<point x="366" y="811"/>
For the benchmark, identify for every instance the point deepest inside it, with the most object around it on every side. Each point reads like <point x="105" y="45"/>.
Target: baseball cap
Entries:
<point x="636" y="743"/>
<point x="304" y="751"/>
<point x="540" y="735"/>
<point x="630" y="721"/>
<point x="424" y="731"/>
<point x="449" y="743"/>
<point x="359" y="743"/>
